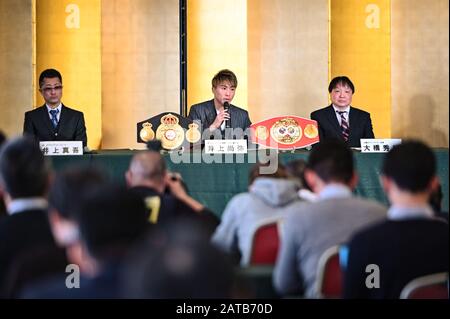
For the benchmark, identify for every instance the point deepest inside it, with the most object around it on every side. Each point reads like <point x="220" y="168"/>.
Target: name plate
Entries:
<point x="226" y="146"/>
<point x="378" y="145"/>
<point x="58" y="148"/>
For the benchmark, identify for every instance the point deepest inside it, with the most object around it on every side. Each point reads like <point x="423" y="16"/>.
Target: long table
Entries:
<point x="215" y="180"/>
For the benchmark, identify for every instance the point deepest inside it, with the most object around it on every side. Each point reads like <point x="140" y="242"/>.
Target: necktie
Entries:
<point x="54" y="118"/>
<point x="344" y="125"/>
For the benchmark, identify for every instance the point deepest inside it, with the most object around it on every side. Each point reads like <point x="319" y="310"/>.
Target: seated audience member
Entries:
<point x="213" y="114"/>
<point x="270" y="196"/>
<point x="110" y="220"/>
<point x="317" y="226"/>
<point x="176" y="262"/>
<point x="24" y="180"/>
<point x="435" y="202"/>
<point x="411" y="243"/>
<point x="163" y="192"/>
<point x="54" y="121"/>
<point x="296" y="170"/>
<point x="2" y="203"/>
<point x="340" y="120"/>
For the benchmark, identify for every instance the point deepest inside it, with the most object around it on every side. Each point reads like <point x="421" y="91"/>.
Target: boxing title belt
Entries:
<point x="285" y="132"/>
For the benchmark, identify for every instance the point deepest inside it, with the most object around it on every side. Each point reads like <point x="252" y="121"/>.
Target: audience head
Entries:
<point x="411" y="167"/>
<point x="146" y="168"/>
<point x="110" y="219"/>
<point x="66" y="194"/>
<point x="24" y="172"/>
<point x="178" y="263"/>
<point x="331" y="161"/>
<point x="296" y="170"/>
<point x="255" y="172"/>
<point x="2" y="138"/>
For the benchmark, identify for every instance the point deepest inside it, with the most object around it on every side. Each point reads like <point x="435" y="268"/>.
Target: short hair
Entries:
<point x="24" y="171"/>
<point x="111" y="219"/>
<point x="296" y="169"/>
<point x="343" y="80"/>
<point x="332" y="160"/>
<point x="225" y="76"/>
<point x="2" y="138"/>
<point x="49" y="74"/>
<point x="411" y="165"/>
<point x="71" y="186"/>
<point x="255" y="172"/>
<point x="148" y="165"/>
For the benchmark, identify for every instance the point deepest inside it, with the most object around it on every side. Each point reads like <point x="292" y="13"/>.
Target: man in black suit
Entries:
<point x="54" y="121"/>
<point x="215" y="114"/>
<point x="340" y="120"/>
<point x="412" y="242"/>
<point x="24" y="179"/>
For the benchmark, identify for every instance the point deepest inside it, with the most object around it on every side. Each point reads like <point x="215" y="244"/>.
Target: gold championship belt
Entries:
<point x="146" y="133"/>
<point x="286" y="131"/>
<point x="169" y="132"/>
<point x="193" y="134"/>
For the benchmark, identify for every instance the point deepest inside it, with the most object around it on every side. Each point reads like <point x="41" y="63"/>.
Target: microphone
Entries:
<point x="226" y="107"/>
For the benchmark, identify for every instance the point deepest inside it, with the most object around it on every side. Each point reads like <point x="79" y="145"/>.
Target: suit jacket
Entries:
<point x="70" y="127"/>
<point x="205" y="112"/>
<point x="19" y="233"/>
<point x="402" y="249"/>
<point x="359" y="121"/>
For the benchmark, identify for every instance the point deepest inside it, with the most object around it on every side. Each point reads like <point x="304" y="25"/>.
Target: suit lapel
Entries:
<point x="211" y="114"/>
<point x="353" y="119"/>
<point x="63" y="118"/>
<point x="46" y="120"/>
<point x="332" y="119"/>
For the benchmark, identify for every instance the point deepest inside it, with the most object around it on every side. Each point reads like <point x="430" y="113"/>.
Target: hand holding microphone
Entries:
<point x="221" y="117"/>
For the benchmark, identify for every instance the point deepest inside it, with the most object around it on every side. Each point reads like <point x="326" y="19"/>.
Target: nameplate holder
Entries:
<point x="61" y="148"/>
<point x="378" y="145"/>
<point x="226" y="146"/>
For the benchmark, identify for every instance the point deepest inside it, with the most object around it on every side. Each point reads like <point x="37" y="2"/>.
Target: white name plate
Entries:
<point x="378" y="145"/>
<point x="226" y="146"/>
<point x="58" y="148"/>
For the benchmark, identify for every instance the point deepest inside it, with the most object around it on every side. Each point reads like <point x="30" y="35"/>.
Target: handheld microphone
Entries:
<point x="226" y="107"/>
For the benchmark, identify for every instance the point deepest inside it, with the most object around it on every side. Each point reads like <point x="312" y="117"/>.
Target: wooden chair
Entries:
<point x="265" y="243"/>
<point x="434" y="286"/>
<point x="329" y="274"/>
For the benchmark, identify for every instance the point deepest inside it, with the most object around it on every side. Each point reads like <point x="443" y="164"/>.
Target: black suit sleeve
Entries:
<point x="193" y="114"/>
<point x="80" y="130"/>
<point x="368" y="130"/>
<point x="28" y="126"/>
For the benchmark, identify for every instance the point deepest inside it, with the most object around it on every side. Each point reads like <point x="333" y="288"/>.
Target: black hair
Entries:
<point x="345" y="81"/>
<point x="49" y="74"/>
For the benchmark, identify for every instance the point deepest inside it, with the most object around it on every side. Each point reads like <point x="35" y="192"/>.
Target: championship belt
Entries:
<point x="170" y="132"/>
<point x="193" y="134"/>
<point x="285" y="132"/>
<point x="146" y="133"/>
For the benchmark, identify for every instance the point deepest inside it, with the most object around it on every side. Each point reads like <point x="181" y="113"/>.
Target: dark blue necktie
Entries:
<point x="54" y="118"/>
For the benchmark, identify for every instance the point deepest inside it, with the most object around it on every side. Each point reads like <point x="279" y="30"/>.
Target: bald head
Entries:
<point x="146" y="168"/>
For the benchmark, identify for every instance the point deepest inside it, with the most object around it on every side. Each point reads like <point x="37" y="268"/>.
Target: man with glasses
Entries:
<point x="54" y="121"/>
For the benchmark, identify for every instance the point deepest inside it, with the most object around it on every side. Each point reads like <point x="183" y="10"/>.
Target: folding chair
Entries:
<point x="329" y="274"/>
<point x="434" y="286"/>
<point x="265" y="243"/>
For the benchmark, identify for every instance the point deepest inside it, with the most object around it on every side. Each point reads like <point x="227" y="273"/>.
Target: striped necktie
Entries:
<point x="54" y="118"/>
<point x="344" y="125"/>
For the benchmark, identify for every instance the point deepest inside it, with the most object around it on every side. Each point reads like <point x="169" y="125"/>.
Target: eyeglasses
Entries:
<point x="49" y="89"/>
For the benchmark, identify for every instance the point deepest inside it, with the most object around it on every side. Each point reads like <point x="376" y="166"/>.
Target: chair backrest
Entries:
<point x="434" y="286"/>
<point x="329" y="274"/>
<point x="265" y="244"/>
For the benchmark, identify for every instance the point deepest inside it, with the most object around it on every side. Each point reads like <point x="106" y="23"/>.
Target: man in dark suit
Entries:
<point x="54" y="121"/>
<point x="218" y="114"/>
<point x="412" y="242"/>
<point x="340" y="120"/>
<point x="24" y="178"/>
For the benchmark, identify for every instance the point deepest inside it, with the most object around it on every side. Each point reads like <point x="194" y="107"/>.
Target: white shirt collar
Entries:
<point x="347" y="109"/>
<point x="335" y="190"/>
<point x="23" y="204"/>
<point x="57" y="108"/>
<point x="401" y="213"/>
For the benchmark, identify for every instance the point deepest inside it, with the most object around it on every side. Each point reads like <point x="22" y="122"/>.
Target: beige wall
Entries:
<point x="420" y="101"/>
<point x="287" y="57"/>
<point x="140" y="66"/>
<point x="15" y="64"/>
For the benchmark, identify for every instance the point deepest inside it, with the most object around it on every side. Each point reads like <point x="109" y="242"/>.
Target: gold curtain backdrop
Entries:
<point x="120" y="60"/>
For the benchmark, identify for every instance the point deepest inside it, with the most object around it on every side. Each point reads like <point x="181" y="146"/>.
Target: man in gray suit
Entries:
<point x="319" y="225"/>
<point x="218" y="114"/>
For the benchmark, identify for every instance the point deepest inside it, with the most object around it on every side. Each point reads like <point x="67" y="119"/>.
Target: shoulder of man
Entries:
<point x="359" y="111"/>
<point x="70" y="110"/>
<point x="36" y="110"/>
<point x="320" y="111"/>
